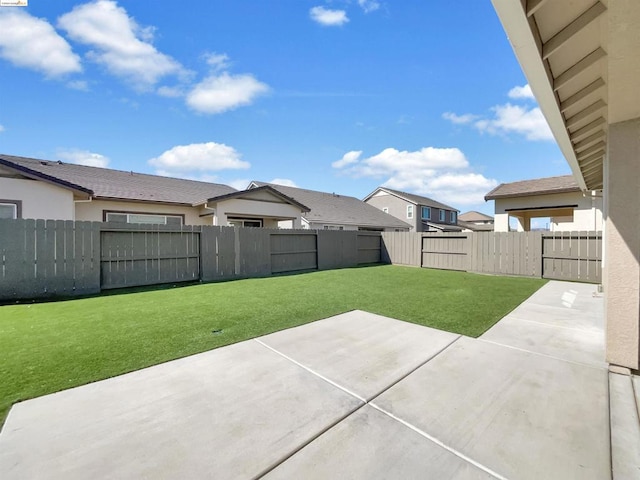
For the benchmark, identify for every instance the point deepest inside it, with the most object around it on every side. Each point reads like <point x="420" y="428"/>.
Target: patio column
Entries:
<point x="524" y="224"/>
<point x="622" y="239"/>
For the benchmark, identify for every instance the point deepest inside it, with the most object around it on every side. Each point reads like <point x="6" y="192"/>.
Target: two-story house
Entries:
<point x="422" y="213"/>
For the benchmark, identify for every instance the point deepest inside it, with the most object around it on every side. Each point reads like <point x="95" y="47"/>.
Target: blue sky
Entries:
<point x="334" y="95"/>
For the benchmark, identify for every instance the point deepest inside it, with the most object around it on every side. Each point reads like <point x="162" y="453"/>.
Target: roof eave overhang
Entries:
<point x="520" y="31"/>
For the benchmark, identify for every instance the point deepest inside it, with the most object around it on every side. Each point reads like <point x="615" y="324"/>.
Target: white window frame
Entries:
<point x="133" y="214"/>
<point x="452" y="217"/>
<point x="333" y="227"/>
<point x="233" y="222"/>
<point x="443" y="215"/>
<point x="409" y="211"/>
<point x="428" y="210"/>
<point x="16" y="207"/>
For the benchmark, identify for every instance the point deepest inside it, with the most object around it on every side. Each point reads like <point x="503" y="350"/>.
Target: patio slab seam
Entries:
<point x="604" y="367"/>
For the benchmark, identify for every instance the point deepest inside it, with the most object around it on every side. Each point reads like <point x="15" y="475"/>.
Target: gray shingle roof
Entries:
<point x="487" y="227"/>
<point x="413" y="198"/>
<point x="474" y="216"/>
<point x="117" y="184"/>
<point x="338" y="209"/>
<point x="537" y="186"/>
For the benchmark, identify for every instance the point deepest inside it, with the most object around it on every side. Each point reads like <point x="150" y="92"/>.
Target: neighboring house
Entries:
<point x="475" y="222"/>
<point x="422" y="213"/>
<point x="558" y="198"/>
<point x="330" y="211"/>
<point x="43" y="189"/>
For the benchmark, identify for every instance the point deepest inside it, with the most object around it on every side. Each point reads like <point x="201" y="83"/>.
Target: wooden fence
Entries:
<point x="49" y="258"/>
<point x="573" y="256"/>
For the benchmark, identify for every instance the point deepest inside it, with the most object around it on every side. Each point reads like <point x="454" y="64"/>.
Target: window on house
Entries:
<point x="385" y="209"/>
<point x="409" y="211"/>
<point x="333" y="227"/>
<point x="442" y="215"/>
<point x="452" y="217"/>
<point x="145" y="218"/>
<point x="426" y="213"/>
<point x="244" y="222"/>
<point x="10" y="209"/>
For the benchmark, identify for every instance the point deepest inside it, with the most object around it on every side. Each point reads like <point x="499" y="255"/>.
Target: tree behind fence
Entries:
<point x="48" y="258"/>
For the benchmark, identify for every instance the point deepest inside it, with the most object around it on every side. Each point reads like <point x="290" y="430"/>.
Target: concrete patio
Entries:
<point x="354" y="396"/>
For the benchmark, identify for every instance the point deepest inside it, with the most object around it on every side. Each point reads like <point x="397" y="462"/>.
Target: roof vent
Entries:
<point x="44" y="163"/>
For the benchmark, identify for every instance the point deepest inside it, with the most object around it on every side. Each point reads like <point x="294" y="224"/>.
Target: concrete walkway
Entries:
<point x="353" y="396"/>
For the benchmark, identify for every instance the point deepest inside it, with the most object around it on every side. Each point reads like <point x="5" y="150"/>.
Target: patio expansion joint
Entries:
<point x="511" y="316"/>
<point x="596" y="367"/>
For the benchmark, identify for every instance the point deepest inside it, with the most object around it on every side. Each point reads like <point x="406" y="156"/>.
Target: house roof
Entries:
<point x="412" y="198"/>
<point x="443" y="227"/>
<point x="105" y="183"/>
<point x="538" y="186"/>
<point x="331" y="208"/>
<point x="475" y="227"/>
<point x="267" y="188"/>
<point x="474" y="216"/>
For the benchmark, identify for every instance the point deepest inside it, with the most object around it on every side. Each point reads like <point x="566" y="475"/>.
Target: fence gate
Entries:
<point x="572" y="256"/>
<point x="147" y="255"/>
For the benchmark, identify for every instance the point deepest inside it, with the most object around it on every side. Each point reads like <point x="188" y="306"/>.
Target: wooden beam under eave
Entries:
<point x="591" y="169"/>
<point x="582" y="94"/>
<point x="587" y="129"/>
<point x="533" y="6"/>
<point x="564" y="35"/>
<point x="591" y="158"/>
<point x="581" y="145"/>
<point x="579" y="67"/>
<point x="585" y="113"/>
<point x="600" y="146"/>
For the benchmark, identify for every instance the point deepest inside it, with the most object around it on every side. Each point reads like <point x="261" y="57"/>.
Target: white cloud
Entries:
<point x="327" y="17"/>
<point x="508" y="118"/>
<point x="347" y="159"/>
<point x="219" y="93"/>
<point x="202" y="157"/>
<point x="81" y="85"/>
<point x="1" y="128"/>
<point x="439" y="173"/>
<point x="285" y="182"/>
<point x="521" y="92"/>
<point x="369" y="5"/>
<point x="460" y="119"/>
<point x="122" y="46"/>
<point x="170" y="92"/>
<point x="83" y="157"/>
<point x="31" y="42"/>
<point x="239" y="183"/>
<point x="217" y="61"/>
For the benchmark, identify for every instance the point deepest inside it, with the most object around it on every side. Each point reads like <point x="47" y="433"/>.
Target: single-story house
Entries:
<point x="330" y="211"/>
<point x="474" y="221"/>
<point x="44" y="189"/>
<point x="559" y="198"/>
<point x="582" y="61"/>
<point x="422" y="213"/>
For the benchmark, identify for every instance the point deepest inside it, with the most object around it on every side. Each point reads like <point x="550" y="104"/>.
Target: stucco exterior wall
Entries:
<point x="240" y="207"/>
<point x="587" y="216"/>
<point x="622" y="240"/>
<point x="40" y="200"/>
<point x="397" y="208"/>
<point x="93" y="210"/>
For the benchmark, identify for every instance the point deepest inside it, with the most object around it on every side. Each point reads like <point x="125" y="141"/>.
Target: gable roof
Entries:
<point x="537" y="186"/>
<point x="105" y="183"/>
<point x="475" y="227"/>
<point x="266" y="188"/>
<point x="331" y="208"/>
<point x="412" y="198"/>
<point x="474" y="216"/>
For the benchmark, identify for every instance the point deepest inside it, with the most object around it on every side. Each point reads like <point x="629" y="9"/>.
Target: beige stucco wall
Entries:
<point x="622" y="240"/>
<point x="587" y="216"/>
<point x="93" y="210"/>
<point x="39" y="199"/>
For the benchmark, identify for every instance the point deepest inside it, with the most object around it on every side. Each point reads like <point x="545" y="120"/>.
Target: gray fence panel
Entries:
<point x="293" y="251"/>
<point x="138" y="255"/>
<point x="402" y="248"/>
<point x="41" y="259"/>
<point x="445" y="251"/>
<point x="337" y="249"/>
<point x="218" y="257"/>
<point x="573" y="256"/>
<point x="252" y="252"/>
<point x="369" y="247"/>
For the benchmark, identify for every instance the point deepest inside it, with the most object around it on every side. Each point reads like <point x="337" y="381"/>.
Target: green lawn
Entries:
<point x="46" y="347"/>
